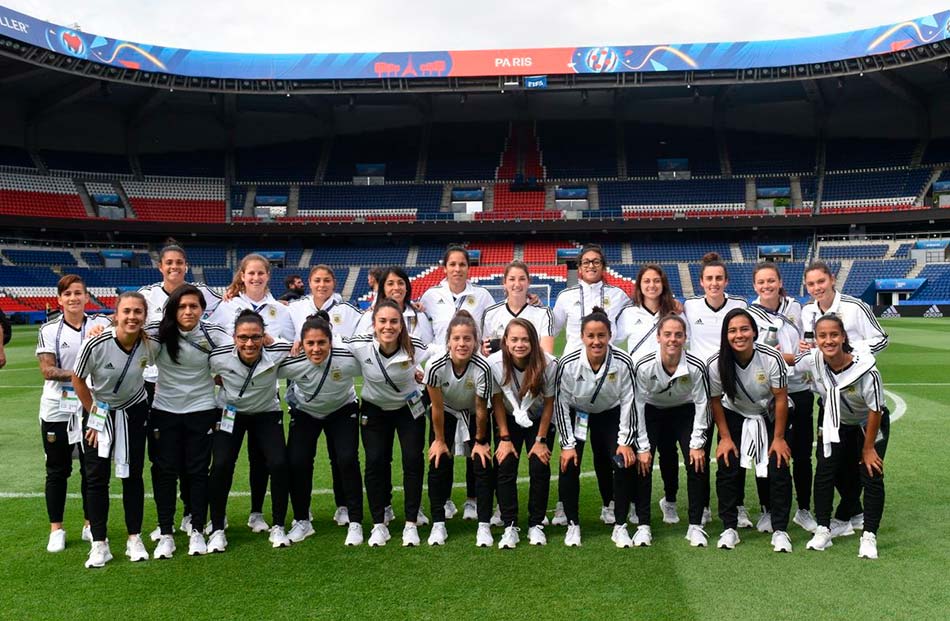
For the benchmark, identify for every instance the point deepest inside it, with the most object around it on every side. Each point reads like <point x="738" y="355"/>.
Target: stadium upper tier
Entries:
<point x="482" y="171"/>
<point x="285" y="71"/>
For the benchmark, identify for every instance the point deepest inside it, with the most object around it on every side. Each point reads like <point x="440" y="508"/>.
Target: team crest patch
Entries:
<point x="337" y="319"/>
<point x="612" y="377"/>
<point x="143" y="362"/>
<point x="471" y="301"/>
<point x="272" y="312"/>
<point x="606" y="302"/>
<point x="51" y="438"/>
<point x="760" y="377"/>
<point x="470" y="384"/>
<point x="204" y="344"/>
<point x="336" y="374"/>
<point x="852" y="390"/>
<point x="405" y="364"/>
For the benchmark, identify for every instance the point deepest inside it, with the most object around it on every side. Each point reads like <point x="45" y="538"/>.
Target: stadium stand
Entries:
<point x="40" y="257"/>
<point x="492" y="253"/>
<point x="860" y="191"/>
<point x="863" y="153"/>
<point x="276" y="163"/>
<point x="544" y="251"/>
<point x="183" y="164"/>
<point x="578" y="149"/>
<point x="398" y="149"/>
<point x="346" y="203"/>
<point x="937" y="286"/>
<point x="107" y="163"/>
<point x="645" y="144"/>
<point x="863" y="274"/>
<point x="176" y="201"/>
<point x="15" y="157"/>
<point x="465" y="151"/>
<point x="665" y="251"/>
<point x="29" y="195"/>
<point x="757" y="154"/>
<point x="655" y="198"/>
<point x="852" y="251"/>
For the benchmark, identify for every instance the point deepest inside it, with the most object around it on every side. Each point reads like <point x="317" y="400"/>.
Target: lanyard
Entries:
<point x="603" y="378"/>
<point x="128" y="363"/>
<point x="59" y="333"/>
<point x="382" y="368"/>
<point x="649" y="333"/>
<point x="460" y="301"/>
<point x="250" y="376"/>
<point x="580" y="291"/>
<point x="204" y="331"/>
<point x="326" y="372"/>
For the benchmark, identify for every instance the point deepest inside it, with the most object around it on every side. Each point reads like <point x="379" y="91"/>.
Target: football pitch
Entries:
<point x="320" y="578"/>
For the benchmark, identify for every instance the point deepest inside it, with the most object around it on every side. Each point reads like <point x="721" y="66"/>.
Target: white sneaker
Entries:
<point x="354" y="534"/>
<point x="450" y="509"/>
<point x="218" y="542"/>
<point x="857" y="521"/>
<point x="744" y="520"/>
<point x="496" y="518"/>
<point x="87" y="533"/>
<point x="483" y="536"/>
<point x="781" y="542"/>
<point x="186" y="523"/>
<point x="632" y="516"/>
<point x="643" y="538"/>
<point x="607" y="514"/>
<point x="868" y="547"/>
<point x="669" y="511"/>
<point x="509" y="539"/>
<point x="410" y="536"/>
<point x="379" y="535"/>
<point x="256" y="523"/>
<point x="621" y="537"/>
<point x="841" y="528"/>
<point x="469" y="510"/>
<point x="536" y="536"/>
<point x="135" y="549"/>
<point x="57" y="541"/>
<point x="728" y="539"/>
<point x="696" y="536"/>
<point x="196" y="544"/>
<point x="545" y="521"/>
<point x="300" y="531"/>
<point x="165" y="548"/>
<point x="707" y="516"/>
<point x="559" y="519"/>
<point x="572" y="538"/>
<point x="209" y="528"/>
<point x="421" y="518"/>
<point x="438" y="534"/>
<point x="99" y="554"/>
<point x="821" y="540"/>
<point x="156" y="534"/>
<point x="388" y="515"/>
<point x="278" y="537"/>
<point x="764" y="525"/>
<point x="341" y="516"/>
<point x="805" y="519"/>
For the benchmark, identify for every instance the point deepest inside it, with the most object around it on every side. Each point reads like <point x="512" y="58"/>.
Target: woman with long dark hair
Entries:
<point x="454" y="293"/>
<point x="183" y="414"/>
<point x="749" y="401"/>
<point x="115" y="419"/>
<point x="394" y="284"/>
<point x="523" y="404"/>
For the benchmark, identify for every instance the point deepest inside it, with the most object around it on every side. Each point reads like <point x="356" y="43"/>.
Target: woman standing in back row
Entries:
<point x="704" y="317"/>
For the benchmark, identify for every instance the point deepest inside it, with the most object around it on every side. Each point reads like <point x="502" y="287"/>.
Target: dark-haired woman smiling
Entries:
<point x="183" y="413"/>
<point x="744" y="377"/>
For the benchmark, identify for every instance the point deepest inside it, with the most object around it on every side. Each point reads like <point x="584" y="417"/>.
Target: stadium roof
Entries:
<point x="66" y="49"/>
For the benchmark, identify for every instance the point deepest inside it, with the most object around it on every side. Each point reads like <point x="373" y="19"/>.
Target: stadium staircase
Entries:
<point x="412" y="256"/>
<point x="352" y="278"/>
<point x="735" y="252"/>
<point x="841" y="280"/>
<point x="686" y="280"/>
<point x="924" y="191"/>
<point x="83" y="193"/>
<point x="916" y="270"/>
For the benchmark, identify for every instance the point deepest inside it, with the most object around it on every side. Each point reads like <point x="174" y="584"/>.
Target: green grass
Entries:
<point x="321" y="579"/>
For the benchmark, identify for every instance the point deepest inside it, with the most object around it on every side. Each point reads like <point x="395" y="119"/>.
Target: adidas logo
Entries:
<point x="890" y="313"/>
<point x="933" y="312"/>
<point x="580" y="378"/>
<point x="441" y="301"/>
<point x="699" y="321"/>
<point x="109" y="366"/>
<point x="368" y="361"/>
<point x="65" y="345"/>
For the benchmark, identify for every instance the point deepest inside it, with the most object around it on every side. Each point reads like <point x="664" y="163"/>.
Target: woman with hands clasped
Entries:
<point x="460" y="385"/>
<point x="523" y="404"/>
<point x="594" y="394"/>
<point x="745" y="379"/>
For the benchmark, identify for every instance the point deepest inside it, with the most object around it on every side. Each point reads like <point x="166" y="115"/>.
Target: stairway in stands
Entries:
<point x="521" y="160"/>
